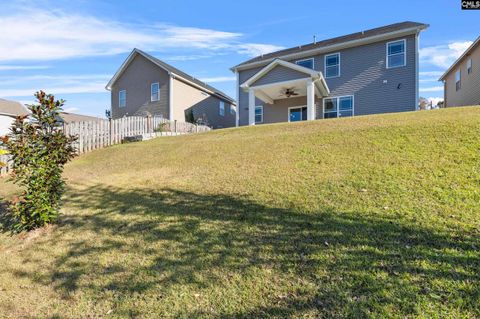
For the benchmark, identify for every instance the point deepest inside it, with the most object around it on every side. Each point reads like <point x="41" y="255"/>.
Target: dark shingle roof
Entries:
<point x="185" y="75"/>
<point x="338" y="40"/>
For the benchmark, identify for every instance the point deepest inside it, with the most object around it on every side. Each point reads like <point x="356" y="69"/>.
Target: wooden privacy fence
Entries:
<point x="102" y="133"/>
<point x="98" y="134"/>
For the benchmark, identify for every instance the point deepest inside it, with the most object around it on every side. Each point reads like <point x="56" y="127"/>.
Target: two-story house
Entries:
<point x="462" y="80"/>
<point x="147" y="86"/>
<point x="368" y="72"/>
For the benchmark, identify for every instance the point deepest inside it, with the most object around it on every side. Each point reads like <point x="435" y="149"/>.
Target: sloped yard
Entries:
<point x="372" y="217"/>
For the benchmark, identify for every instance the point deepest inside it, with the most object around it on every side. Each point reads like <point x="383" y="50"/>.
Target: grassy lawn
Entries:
<point x="368" y="217"/>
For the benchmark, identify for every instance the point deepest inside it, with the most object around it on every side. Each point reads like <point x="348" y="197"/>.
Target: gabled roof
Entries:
<point x="171" y="70"/>
<point x="67" y="117"/>
<point x="12" y="108"/>
<point x="353" y="39"/>
<point x="466" y="53"/>
<point x="315" y="75"/>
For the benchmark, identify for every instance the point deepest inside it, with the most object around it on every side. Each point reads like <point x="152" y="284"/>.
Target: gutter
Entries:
<point x="334" y="47"/>
<point x="467" y="51"/>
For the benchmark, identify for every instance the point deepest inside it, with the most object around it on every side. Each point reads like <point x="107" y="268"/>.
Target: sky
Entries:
<point x="73" y="48"/>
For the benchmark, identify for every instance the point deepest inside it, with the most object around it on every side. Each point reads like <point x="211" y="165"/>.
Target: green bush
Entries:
<point x="39" y="150"/>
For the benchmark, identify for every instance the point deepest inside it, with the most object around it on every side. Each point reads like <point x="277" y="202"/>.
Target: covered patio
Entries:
<point x="282" y="80"/>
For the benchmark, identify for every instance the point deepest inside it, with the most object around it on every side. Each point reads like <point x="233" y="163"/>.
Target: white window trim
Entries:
<point x="295" y="107"/>
<point x="459" y="80"/>
<point x="255" y="115"/>
<point x="119" y="98"/>
<point x="220" y="109"/>
<point x="339" y="65"/>
<point x="151" y="91"/>
<point x="469" y="69"/>
<point x="308" y="59"/>
<point x="404" y="53"/>
<point x="338" y="104"/>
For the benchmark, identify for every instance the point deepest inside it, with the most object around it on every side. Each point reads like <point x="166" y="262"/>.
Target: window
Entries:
<point x="307" y="63"/>
<point x="332" y="65"/>
<point x="458" y="80"/>
<point x="154" y="92"/>
<point x="469" y="66"/>
<point x="258" y="114"/>
<point x="296" y="114"/>
<point x="396" y="54"/>
<point x="221" y="109"/>
<point x="122" y="98"/>
<point x="232" y="109"/>
<point x="338" y="107"/>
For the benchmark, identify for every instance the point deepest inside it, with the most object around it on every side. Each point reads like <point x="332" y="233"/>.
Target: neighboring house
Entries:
<point x="66" y="117"/>
<point x="369" y="72"/>
<point x="462" y="80"/>
<point x="9" y="110"/>
<point x="145" y="85"/>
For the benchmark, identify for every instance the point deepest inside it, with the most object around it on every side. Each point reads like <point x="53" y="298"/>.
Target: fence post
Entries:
<point x="175" y="127"/>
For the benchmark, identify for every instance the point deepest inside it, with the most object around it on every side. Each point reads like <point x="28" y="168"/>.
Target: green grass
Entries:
<point x="369" y="217"/>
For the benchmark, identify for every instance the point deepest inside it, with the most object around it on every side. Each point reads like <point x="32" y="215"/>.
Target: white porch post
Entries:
<point x="251" y="107"/>
<point x="310" y="101"/>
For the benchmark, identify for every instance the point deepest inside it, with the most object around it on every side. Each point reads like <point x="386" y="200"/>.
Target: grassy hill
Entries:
<point x="374" y="216"/>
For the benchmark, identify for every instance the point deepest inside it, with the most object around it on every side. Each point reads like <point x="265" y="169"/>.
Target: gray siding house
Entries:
<point x="369" y="72"/>
<point x="147" y="86"/>
<point x="462" y="80"/>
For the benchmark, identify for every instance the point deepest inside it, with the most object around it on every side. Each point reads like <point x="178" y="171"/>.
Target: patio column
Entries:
<point x="310" y="101"/>
<point x="251" y="107"/>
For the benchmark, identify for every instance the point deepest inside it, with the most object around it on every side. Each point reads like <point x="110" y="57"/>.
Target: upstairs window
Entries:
<point x="332" y="65"/>
<point x="307" y="63"/>
<point x="221" y="108"/>
<point x="155" y="92"/>
<point x="122" y="98"/>
<point x="469" y="66"/>
<point x="396" y="54"/>
<point x="232" y="109"/>
<point x="458" y="80"/>
<point x="258" y="114"/>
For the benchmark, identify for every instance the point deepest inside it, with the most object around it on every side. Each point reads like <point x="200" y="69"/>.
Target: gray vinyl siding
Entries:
<point x="209" y="110"/>
<point x="363" y="72"/>
<point x="136" y="80"/>
<point x="280" y="74"/>
<point x="469" y="93"/>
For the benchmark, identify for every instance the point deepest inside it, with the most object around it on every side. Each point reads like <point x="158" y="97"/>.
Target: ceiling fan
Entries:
<point x="288" y="92"/>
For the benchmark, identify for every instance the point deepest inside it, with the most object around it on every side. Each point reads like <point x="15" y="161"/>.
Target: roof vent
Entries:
<point x="363" y="32"/>
<point x="314" y="39"/>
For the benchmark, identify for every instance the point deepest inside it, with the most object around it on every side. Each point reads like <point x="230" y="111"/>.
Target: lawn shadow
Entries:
<point x="359" y="264"/>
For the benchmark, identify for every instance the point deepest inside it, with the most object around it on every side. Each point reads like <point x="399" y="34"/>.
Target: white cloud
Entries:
<point x="22" y="67"/>
<point x="443" y="55"/>
<point x="98" y="87"/>
<point x="218" y="79"/>
<point x="432" y="89"/>
<point x="431" y="73"/>
<point x="36" y="34"/>
<point x="71" y="109"/>
<point x="26" y="86"/>
<point x="255" y="49"/>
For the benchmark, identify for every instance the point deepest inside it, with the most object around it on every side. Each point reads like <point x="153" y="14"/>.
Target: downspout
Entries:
<point x="237" y="95"/>
<point x="170" y="97"/>
<point x="417" y="73"/>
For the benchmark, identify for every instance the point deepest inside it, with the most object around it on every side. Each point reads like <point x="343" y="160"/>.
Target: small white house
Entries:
<point x="8" y="111"/>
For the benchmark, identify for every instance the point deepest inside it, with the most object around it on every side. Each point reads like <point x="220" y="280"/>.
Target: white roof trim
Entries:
<point x="132" y="55"/>
<point x="334" y="47"/>
<point x="311" y="73"/>
<point x="467" y="51"/>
